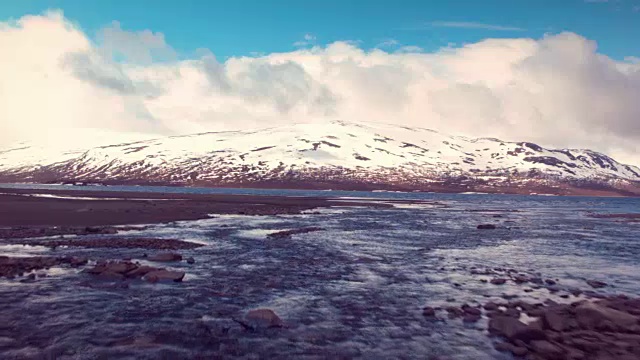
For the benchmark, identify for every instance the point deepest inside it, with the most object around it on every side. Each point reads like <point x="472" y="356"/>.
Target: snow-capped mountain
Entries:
<point x="334" y="155"/>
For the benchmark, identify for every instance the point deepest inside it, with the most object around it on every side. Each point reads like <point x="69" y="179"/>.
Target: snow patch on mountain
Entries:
<point x="336" y="150"/>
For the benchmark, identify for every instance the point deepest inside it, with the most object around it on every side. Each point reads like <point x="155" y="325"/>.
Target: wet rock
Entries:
<point x="471" y="318"/>
<point x="550" y="282"/>
<point x="29" y="278"/>
<point x="514" y="329"/>
<point x="191" y="260"/>
<point x="596" y="284"/>
<point x="116" y="267"/>
<point x="555" y="320"/>
<point x="12" y="267"/>
<point x="512" y="312"/>
<point x="471" y="310"/>
<point x="78" y="261"/>
<point x="515" y="350"/>
<point x="164" y="275"/>
<point x="547" y="349"/>
<point x="454" y="312"/>
<point x="120" y="267"/>
<point x="263" y="318"/>
<point x="536" y="280"/>
<point x="595" y="316"/>
<point x="490" y="306"/>
<point x="428" y="311"/>
<point x="553" y="289"/>
<point x="140" y="271"/>
<point x="520" y="279"/>
<point x="165" y="257"/>
<point x="288" y="233"/>
<point x="486" y="227"/>
<point x="498" y="281"/>
<point x="110" y="276"/>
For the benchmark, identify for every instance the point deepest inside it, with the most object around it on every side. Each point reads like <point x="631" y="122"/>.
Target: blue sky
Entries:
<point x="245" y="27"/>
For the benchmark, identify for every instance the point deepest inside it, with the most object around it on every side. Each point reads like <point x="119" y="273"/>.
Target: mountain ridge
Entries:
<point x="338" y="155"/>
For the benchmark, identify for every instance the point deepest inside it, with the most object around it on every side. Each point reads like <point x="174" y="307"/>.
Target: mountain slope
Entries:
<point x="334" y="155"/>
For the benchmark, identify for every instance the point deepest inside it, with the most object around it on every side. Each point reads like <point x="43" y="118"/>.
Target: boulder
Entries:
<point x="454" y="312"/>
<point x="515" y="350"/>
<point x="498" y="281"/>
<point x="471" y="310"/>
<point x="119" y="267"/>
<point x="164" y="275"/>
<point x="595" y="316"/>
<point x="141" y="271"/>
<point x="490" y="306"/>
<point x="520" y="279"/>
<point x="263" y="318"/>
<point x="547" y="349"/>
<point x="514" y="329"/>
<point x="555" y="320"/>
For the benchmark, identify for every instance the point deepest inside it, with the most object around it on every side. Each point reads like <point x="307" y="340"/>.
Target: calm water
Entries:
<point x="355" y="290"/>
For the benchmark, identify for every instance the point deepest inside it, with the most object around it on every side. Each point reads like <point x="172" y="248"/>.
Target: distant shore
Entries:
<point x="27" y="207"/>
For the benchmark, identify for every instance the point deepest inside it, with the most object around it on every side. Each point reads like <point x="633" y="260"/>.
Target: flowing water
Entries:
<point x="354" y="290"/>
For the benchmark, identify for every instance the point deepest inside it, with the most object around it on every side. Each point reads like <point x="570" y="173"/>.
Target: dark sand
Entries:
<point x="22" y="208"/>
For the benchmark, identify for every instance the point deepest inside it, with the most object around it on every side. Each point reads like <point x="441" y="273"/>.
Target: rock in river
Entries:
<point x="263" y="318"/>
<point x="164" y="275"/>
<point x="165" y="257"/>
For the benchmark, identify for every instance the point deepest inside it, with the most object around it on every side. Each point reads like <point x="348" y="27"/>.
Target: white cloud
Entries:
<point x="557" y="91"/>
<point x="307" y="40"/>
<point x="140" y="47"/>
<point x="474" y="25"/>
<point x="388" y="43"/>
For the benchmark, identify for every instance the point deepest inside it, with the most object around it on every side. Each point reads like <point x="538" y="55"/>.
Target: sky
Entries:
<point x="563" y="73"/>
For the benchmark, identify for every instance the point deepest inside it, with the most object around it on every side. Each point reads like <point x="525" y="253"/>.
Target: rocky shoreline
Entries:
<point x="593" y="326"/>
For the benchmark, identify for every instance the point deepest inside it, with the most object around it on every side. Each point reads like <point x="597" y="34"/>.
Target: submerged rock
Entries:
<point x="429" y="312"/>
<point x="288" y="233"/>
<point x="165" y="257"/>
<point x="596" y="284"/>
<point x="263" y="318"/>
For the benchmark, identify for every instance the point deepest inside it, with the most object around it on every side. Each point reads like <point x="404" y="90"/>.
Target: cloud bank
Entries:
<point x="556" y="91"/>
